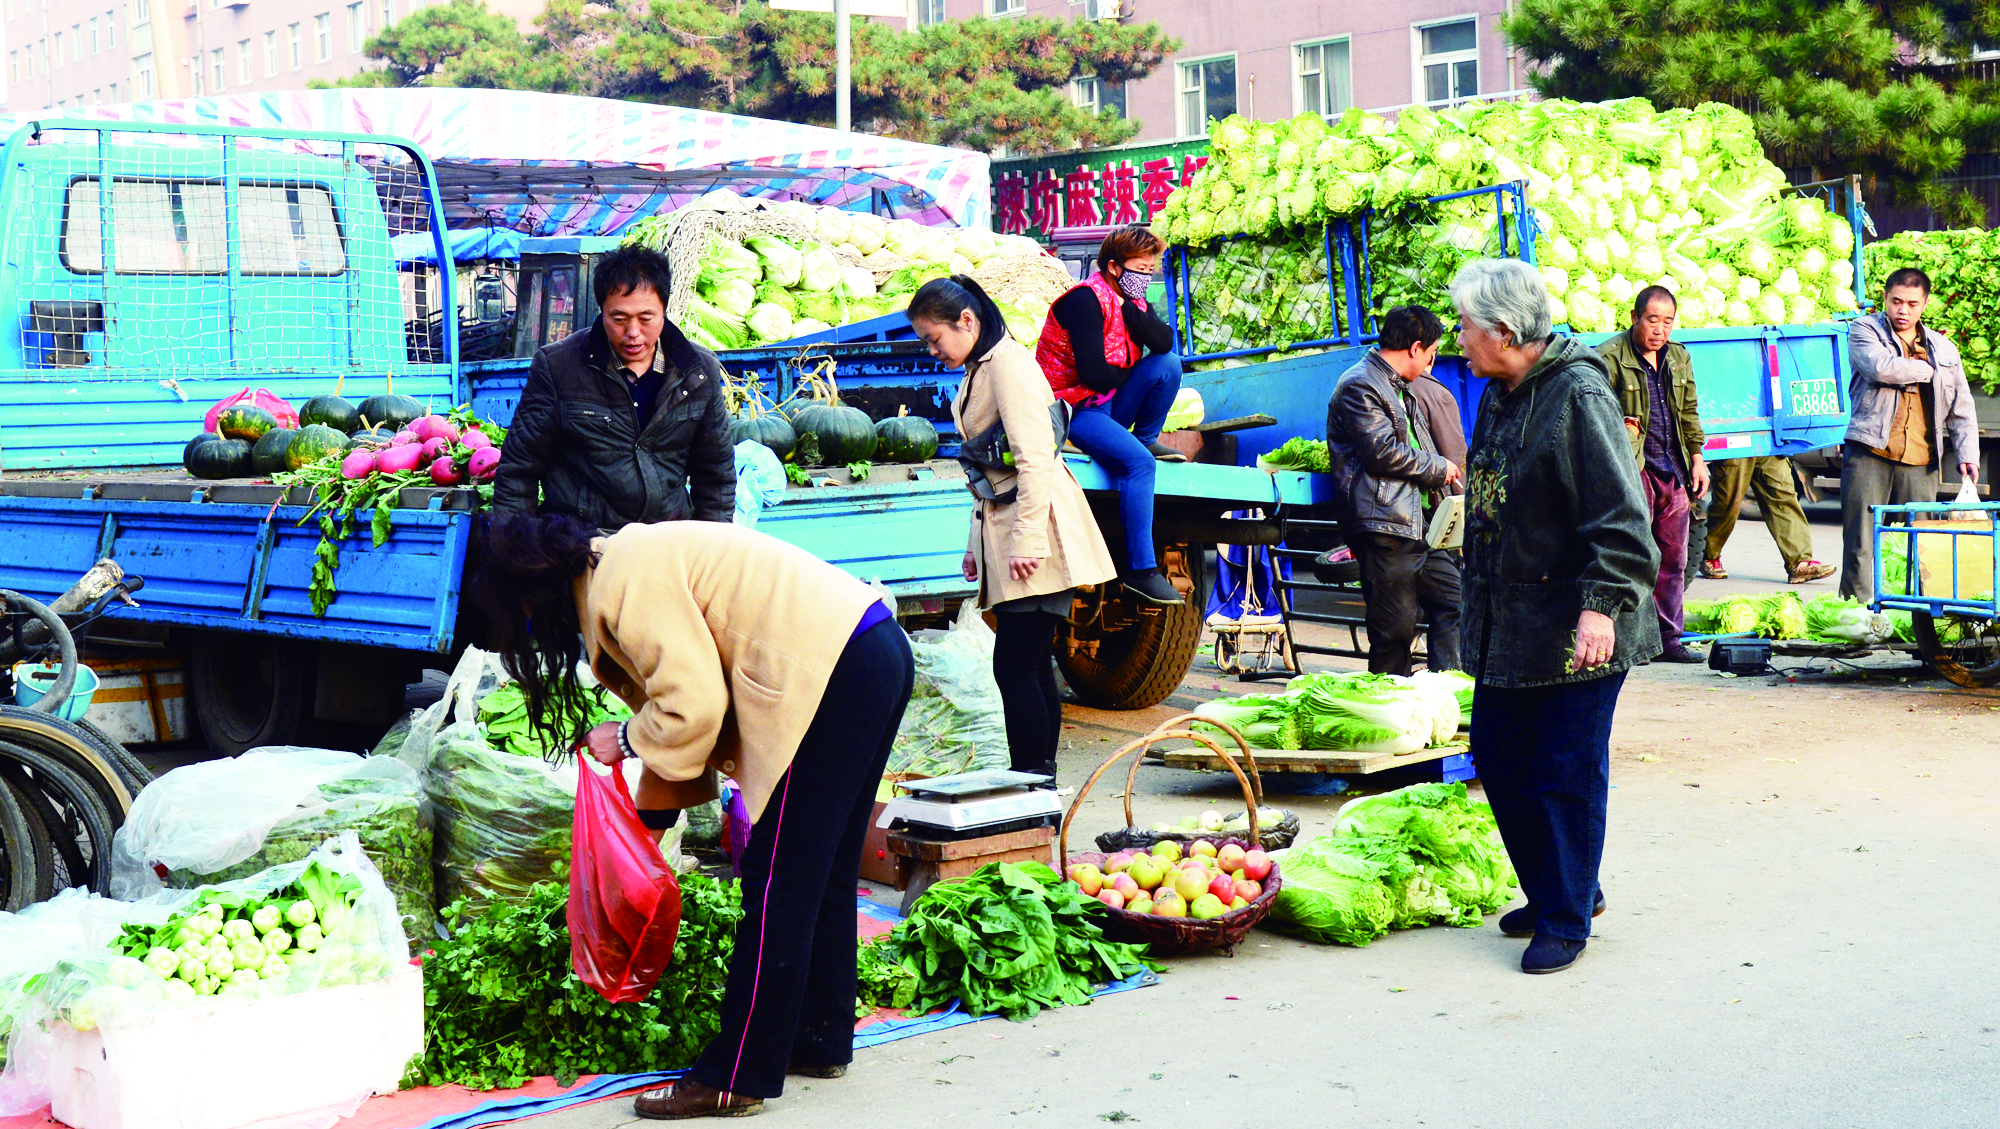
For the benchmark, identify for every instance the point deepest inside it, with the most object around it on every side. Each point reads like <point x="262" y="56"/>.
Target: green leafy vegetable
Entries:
<point x="1299" y="454"/>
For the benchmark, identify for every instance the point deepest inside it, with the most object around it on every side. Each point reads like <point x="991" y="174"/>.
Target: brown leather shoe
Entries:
<point x="688" y="1098"/>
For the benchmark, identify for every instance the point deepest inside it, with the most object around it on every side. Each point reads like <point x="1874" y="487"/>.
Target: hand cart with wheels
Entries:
<point x="1952" y="577"/>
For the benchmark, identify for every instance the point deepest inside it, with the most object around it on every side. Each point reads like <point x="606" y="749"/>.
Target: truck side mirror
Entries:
<point x="66" y="322"/>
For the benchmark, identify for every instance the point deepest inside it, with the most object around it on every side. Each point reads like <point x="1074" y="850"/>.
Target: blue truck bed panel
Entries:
<point x="245" y="567"/>
<point x="1763" y="390"/>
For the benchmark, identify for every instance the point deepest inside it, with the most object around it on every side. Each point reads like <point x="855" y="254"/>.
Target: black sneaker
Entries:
<point x="1549" y="954"/>
<point x="1679" y="654"/>
<point x="1152" y="588"/>
<point x="1165" y="453"/>
<point x="1521" y="922"/>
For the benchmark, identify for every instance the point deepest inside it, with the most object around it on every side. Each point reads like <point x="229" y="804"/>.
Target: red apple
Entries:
<point x="1248" y="889"/>
<point x="1223" y="888"/>
<point x="1229" y="858"/>
<point x="1111" y="898"/>
<point x="1087" y="878"/>
<point x="1124" y="884"/>
<point x="1118" y="862"/>
<point x="1256" y="864"/>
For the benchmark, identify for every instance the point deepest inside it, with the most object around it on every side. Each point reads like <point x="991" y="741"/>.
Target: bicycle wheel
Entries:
<point x="49" y="868"/>
<point x="74" y="748"/>
<point x="136" y="774"/>
<point x="82" y="820"/>
<point x="65" y="863"/>
<point x="19" y="876"/>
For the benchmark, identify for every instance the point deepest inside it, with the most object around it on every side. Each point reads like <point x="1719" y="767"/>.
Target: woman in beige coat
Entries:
<point x="1033" y="538"/>
<point x="742" y="655"/>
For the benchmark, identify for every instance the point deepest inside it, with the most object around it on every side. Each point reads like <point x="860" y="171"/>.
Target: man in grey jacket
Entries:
<point x="1388" y="475"/>
<point x="1912" y="416"/>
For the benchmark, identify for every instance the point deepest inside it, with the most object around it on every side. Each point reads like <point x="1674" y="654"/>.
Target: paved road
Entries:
<point x="1800" y="876"/>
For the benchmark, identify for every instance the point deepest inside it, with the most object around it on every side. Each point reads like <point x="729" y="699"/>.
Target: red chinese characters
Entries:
<point x="1080" y="197"/>
<point x="1045" y="201"/>
<point x="1158" y="182"/>
<point x="1010" y="204"/>
<point x="1121" y="187"/>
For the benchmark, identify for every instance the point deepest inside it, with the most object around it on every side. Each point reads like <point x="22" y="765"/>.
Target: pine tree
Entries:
<point x="976" y="84"/>
<point x="1839" y="87"/>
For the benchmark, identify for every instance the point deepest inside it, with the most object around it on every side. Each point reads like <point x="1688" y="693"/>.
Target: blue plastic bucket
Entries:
<point x="32" y="680"/>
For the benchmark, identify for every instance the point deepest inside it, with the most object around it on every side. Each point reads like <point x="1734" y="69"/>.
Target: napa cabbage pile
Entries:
<point x="1779" y="615"/>
<point x="768" y="288"/>
<point x="1378" y="713"/>
<point x="1624" y="196"/>
<point x="1422" y="855"/>
<point x="1964" y="266"/>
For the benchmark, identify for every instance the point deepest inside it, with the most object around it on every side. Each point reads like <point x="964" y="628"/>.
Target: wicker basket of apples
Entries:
<point x="1206" y="894"/>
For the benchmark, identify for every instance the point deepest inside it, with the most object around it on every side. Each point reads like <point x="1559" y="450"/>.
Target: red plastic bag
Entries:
<point x="283" y="412"/>
<point x="624" y="905"/>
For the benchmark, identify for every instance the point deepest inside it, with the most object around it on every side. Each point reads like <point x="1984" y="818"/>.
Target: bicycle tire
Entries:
<point x="92" y="818"/>
<point x="40" y="844"/>
<point x="73" y="747"/>
<point x="19" y="876"/>
<point x="65" y="858"/>
<point x="137" y="775"/>
<point x="58" y="692"/>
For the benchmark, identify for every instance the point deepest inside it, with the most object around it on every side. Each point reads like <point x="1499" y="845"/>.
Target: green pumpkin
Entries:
<point x="392" y="412"/>
<point x="204" y="437"/>
<point x="370" y="437"/>
<point x="772" y="430"/>
<point x="313" y="443"/>
<point x="906" y="439"/>
<point x="336" y="412"/>
<point x="267" y="455"/>
<point x="223" y="458"/>
<point x="845" y="435"/>
<point x="245" y="421"/>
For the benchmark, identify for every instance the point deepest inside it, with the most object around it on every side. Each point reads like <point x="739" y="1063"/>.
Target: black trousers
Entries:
<point x="1399" y="576"/>
<point x="790" y="995"/>
<point x="1024" y="668"/>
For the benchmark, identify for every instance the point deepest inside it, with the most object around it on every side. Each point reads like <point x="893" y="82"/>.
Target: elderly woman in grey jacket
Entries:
<point x="1559" y="567"/>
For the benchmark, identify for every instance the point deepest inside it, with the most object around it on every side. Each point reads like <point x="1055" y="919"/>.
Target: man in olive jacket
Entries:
<point x="1654" y="379"/>
<point x="623" y="422"/>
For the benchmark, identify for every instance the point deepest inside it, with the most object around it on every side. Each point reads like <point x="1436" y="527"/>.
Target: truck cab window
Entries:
<point x="560" y="320"/>
<point x="181" y="227"/>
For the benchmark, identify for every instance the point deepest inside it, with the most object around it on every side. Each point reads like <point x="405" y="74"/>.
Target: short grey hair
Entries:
<point x="1497" y="293"/>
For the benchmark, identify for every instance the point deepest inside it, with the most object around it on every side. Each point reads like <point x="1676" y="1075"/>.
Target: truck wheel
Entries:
<point x="1964" y="651"/>
<point x="249" y="689"/>
<point x="1128" y="657"/>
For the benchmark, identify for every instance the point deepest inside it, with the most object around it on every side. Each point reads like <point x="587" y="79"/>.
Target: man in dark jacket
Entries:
<point x="623" y="422"/>
<point x="1654" y="379"/>
<point x="1388" y="476"/>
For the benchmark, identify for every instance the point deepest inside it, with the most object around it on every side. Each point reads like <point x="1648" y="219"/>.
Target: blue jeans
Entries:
<point x="1544" y="754"/>
<point x="1116" y="433"/>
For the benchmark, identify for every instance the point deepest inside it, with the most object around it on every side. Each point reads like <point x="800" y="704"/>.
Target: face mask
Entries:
<point x="1133" y="284"/>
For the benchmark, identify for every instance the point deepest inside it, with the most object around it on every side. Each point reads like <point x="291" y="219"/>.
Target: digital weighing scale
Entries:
<point x="973" y="803"/>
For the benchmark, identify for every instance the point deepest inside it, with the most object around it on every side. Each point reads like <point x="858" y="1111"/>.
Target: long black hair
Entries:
<point x="525" y="583"/>
<point x="945" y="299"/>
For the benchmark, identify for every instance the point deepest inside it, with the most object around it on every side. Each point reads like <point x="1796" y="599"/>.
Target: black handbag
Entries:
<point x="989" y="450"/>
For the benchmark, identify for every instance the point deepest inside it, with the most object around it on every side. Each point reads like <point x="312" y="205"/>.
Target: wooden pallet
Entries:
<point x="1336" y="761"/>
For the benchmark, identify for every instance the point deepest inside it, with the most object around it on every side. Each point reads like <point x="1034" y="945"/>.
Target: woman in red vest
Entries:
<point x="1113" y="362"/>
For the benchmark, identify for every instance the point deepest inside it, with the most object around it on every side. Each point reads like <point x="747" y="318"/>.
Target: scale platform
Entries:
<point x="973" y="802"/>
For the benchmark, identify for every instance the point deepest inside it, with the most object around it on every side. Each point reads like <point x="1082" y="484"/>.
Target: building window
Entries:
<point x="97" y="96"/>
<point x="1325" y="81"/>
<point x="142" y="75"/>
<point x="323" y="36"/>
<point x="357" y="27"/>
<point x="270" y="52"/>
<point x="1006" y="7"/>
<point x="1099" y="9"/>
<point x="246" y="68"/>
<point x="76" y="42"/>
<point x="930" y="13"/>
<point x="56" y="61"/>
<point x="194" y="75"/>
<point x="1208" y="92"/>
<point x="111" y="31"/>
<point x="1101" y="98"/>
<point x="94" y="48"/>
<point x="293" y="34"/>
<point x="1448" y="62"/>
<point x="215" y="67"/>
<point x="388" y="12"/>
<point x="112" y="90"/>
<point x="142" y="10"/>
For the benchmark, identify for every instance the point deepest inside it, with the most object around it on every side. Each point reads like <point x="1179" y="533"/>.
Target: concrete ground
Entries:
<point x="1800" y="875"/>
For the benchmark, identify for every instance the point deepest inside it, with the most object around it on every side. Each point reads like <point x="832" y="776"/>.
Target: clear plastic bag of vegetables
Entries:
<point x="222" y="820"/>
<point x="503" y="804"/>
<point x="954" y="722"/>
<point x="322" y="921"/>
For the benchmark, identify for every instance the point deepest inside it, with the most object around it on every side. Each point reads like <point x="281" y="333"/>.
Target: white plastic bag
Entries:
<point x="1968" y="495"/>
<point x="760" y="481"/>
<point x="955" y="721"/>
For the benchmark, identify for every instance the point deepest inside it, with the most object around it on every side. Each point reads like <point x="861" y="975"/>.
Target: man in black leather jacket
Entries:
<point x="623" y="422"/>
<point x="1388" y="475"/>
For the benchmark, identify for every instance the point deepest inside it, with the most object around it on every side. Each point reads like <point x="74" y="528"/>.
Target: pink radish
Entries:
<point x="435" y="427"/>
<point x="400" y="458"/>
<point x="359" y="463"/>
<point x="406" y="438"/>
<point x="485" y="461"/>
<point x="475" y="438"/>
<point x="444" y="472"/>
<point x="434" y="446"/>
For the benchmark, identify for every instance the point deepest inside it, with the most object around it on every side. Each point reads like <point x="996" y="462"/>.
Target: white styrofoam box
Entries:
<point x="140" y="701"/>
<point x="288" y="1062"/>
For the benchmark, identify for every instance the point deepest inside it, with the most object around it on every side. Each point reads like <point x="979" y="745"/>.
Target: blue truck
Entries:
<point x="152" y="270"/>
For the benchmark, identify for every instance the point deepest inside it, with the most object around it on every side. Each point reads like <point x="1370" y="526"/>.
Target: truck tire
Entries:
<point x="1970" y="659"/>
<point x="249" y="689"/>
<point x="1141" y="660"/>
